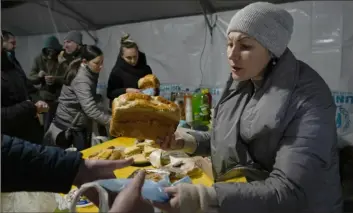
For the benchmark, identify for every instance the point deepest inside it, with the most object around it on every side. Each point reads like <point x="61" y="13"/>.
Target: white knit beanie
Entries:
<point x="269" y="24"/>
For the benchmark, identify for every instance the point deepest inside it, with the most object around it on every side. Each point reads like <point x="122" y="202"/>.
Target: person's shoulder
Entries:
<point x="311" y="89"/>
<point x="39" y="58"/>
<point x="82" y="76"/>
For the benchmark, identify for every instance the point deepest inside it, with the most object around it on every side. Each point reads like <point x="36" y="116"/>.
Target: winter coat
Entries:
<point x="50" y="66"/>
<point x="18" y="112"/>
<point x="31" y="167"/>
<point x="124" y="75"/>
<point x="281" y="134"/>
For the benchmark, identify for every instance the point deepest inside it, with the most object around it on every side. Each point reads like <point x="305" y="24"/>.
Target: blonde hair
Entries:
<point x="126" y="42"/>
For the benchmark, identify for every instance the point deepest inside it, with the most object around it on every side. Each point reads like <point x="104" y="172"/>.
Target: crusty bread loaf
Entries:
<point x="142" y="116"/>
<point x="149" y="81"/>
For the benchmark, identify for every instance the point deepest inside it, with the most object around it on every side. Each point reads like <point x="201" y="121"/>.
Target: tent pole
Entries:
<point x="90" y="22"/>
<point x="207" y="6"/>
<point x="80" y="22"/>
<point x="59" y="12"/>
<point x="95" y="39"/>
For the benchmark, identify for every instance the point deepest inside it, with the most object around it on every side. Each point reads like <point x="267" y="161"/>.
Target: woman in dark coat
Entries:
<point x="130" y="66"/>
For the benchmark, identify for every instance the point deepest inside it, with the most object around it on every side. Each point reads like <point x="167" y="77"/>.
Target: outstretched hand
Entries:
<point x="92" y="170"/>
<point x="130" y="199"/>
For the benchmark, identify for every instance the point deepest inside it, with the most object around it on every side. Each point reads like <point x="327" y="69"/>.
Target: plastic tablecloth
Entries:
<point x="125" y="172"/>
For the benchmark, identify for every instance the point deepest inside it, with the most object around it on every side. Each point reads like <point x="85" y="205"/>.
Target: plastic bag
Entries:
<point x="151" y="190"/>
<point x="28" y="202"/>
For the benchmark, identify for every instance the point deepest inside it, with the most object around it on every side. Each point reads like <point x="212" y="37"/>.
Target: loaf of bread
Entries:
<point x="141" y="116"/>
<point x="149" y="81"/>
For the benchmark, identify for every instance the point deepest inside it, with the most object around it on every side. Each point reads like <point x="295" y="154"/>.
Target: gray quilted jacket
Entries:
<point x="79" y="97"/>
<point x="282" y="136"/>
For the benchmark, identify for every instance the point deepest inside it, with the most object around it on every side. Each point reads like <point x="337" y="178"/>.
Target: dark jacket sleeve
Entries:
<point x="148" y="70"/>
<point x="61" y="71"/>
<point x="32" y="167"/>
<point x="32" y="91"/>
<point x="20" y="111"/>
<point x="115" y="86"/>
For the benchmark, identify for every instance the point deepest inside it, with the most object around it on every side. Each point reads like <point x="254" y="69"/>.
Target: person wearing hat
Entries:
<point x="273" y="143"/>
<point x="72" y="50"/>
<point x="46" y="74"/>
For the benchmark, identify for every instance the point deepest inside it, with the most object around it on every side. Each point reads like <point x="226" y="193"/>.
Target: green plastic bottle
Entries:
<point x="205" y="107"/>
<point x="196" y="103"/>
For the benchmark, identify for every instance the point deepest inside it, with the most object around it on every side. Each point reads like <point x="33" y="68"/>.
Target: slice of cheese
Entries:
<point x="132" y="150"/>
<point x="116" y="155"/>
<point x="105" y="154"/>
<point x="145" y="143"/>
<point x="141" y="145"/>
<point x="148" y="150"/>
<point x="139" y="159"/>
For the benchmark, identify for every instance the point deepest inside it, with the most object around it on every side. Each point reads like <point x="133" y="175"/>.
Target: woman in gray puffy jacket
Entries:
<point x="274" y="126"/>
<point x="77" y="105"/>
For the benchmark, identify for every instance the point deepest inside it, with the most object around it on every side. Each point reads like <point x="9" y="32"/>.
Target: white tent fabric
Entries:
<point x="181" y="50"/>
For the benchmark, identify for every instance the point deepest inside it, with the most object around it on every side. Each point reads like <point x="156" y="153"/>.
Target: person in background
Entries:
<point x="20" y="103"/>
<point x="77" y="105"/>
<point x="36" y="168"/>
<point x="9" y="45"/>
<point x="274" y="126"/>
<point x="72" y="50"/>
<point x="130" y="66"/>
<point x="45" y="73"/>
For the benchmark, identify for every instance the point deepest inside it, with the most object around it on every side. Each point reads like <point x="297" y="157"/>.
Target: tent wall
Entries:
<point x="323" y="37"/>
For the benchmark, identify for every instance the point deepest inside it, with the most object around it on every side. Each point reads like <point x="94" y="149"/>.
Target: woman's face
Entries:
<point x="96" y="64"/>
<point x="247" y="57"/>
<point x="130" y="55"/>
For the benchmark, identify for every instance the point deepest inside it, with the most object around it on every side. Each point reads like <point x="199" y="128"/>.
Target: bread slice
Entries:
<point x="132" y="150"/>
<point x="149" y="81"/>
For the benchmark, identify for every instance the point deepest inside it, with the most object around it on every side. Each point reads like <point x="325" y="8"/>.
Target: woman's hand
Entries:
<point x="173" y="206"/>
<point x="189" y="198"/>
<point x="92" y="170"/>
<point x="132" y="90"/>
<point x="173" y="141"/>
<point x="41" y="74"/>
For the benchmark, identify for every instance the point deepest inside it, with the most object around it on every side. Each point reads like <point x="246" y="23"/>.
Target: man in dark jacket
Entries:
<point x="31" y="167"/>
<point x="8" y="42"/>
<point x="45" y="73"/>
<point x="72" y="50"/>
<point x="19" y="100"/>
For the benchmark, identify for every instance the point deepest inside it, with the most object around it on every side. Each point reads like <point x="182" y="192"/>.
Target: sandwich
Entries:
<point x="142" y="116"/>
<point x="140" y="159"/>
